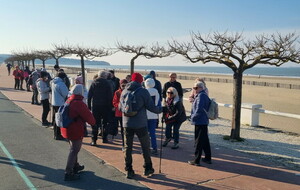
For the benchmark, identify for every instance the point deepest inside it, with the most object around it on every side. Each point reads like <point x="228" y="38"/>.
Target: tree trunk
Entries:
<point x="82" y="70"/>
<point x="237" y="102"/>
<point x="33" y="64"/>
<point x="132" y="64"/>
<point x="56" y="60"/>
<point x="43" y="63"/>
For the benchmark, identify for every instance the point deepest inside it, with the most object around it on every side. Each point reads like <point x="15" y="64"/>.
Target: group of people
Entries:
<point x="100" y="106"/>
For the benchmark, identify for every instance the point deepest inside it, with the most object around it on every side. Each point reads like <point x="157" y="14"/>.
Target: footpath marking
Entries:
<point x="14" y="163"/>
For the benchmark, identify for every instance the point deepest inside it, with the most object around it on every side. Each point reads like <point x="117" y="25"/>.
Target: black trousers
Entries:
<point x="55" y="128"/>
<point x="17" y="83"/>
<point x="101" y="114"/>
<point x="202" y="142"/>
<point x="46" y="109"/>
<point x="35" y="94"/>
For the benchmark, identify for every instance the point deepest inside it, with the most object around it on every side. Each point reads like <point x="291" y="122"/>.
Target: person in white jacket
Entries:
<point x="59" y="95"/>
<point x="152" y="117"/>
<point x="44" y="89"/>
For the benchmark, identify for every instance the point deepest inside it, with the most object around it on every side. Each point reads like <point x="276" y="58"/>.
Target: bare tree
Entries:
<point x="83" y="53"/>
<point x="56" y="54"/>
<point x="155" y="51"/>
<point x="239" y="55"/>
<point x="43" y="56"/>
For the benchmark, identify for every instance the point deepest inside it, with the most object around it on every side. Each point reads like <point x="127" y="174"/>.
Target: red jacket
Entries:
<point x="18" y="74"/>
<point x="81" y="113"/>
<point x="116" y="101"/>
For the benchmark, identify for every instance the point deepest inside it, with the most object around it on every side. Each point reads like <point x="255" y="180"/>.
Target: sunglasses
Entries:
<point x="170" y="92"/>
<point x="195" y="88"/>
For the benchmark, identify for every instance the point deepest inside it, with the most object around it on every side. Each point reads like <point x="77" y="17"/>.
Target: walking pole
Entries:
<point x="161" y="139"/>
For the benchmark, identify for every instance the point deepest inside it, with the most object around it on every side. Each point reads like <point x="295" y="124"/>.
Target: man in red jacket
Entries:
<point x="75" y="131"/>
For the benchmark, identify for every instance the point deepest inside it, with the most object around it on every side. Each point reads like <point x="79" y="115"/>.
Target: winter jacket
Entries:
<point x="174" y="84"/>
<point x="116" y="81"/>
<point x="34" y="77"/>
<point x="82" y="114"/>
<point x="17" y="74"/>
<point x="116" y="101"/>
<point x="144" y="101"/>
<point x="175" y="111"/>
<point x="198" y="115"/>
<point x="59" y="92"/>
<point x="149" y="84"/>
<point x="100" y="93"/>
<point x="43" y="89"/>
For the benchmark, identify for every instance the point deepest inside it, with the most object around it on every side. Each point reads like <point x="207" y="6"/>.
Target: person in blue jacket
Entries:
<point x="200" y="120"/>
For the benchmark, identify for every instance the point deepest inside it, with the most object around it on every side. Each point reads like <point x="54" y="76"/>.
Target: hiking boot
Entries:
<point x="175" y="146"/>
<point x="71" y="176"/>
<point x="208" y="161"/>
<point x="59" y="137"/>
<point x="130" y="174"/>
<point x="93" y="143"/>
<point x="45" y="124"/>
<point x="154" y="152"/>
<point x="192" y="162"/>
<point x="148" y="172"/>
<point x="77" y="168"/>
<point x="166" y="142"/>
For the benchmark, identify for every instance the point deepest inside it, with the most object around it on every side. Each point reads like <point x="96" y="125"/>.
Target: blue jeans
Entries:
<point x="176" y="126"/>
<point x="152" y="123"/>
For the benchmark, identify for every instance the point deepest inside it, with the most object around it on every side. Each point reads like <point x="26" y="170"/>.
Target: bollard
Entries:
<point x="250" y="114"/>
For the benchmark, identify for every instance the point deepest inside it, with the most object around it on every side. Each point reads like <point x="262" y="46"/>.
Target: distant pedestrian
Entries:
<point x="8" y="65"/>
<point x="100" y="102"/>
<point x="44" y="90"/>
<point x="152" y="117"/>
<point x="193" y="93"/>
<point x="173" y="117"/>
<point x="118" y="113"/>
<point x="59" y="96"/>
<point x="201" y="121"/>
<point x="75" y="131"/>
<point x="17" y="76"/>
<point x="172" y="83"/>
<point x="138" y="124"/>
<point x="27" y="72"/>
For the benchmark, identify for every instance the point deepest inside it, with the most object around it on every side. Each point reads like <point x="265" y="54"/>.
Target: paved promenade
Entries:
<point x="230" y="169"/>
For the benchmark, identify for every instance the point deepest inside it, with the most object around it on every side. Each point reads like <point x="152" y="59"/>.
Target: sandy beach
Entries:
<point x="271" y="98"/>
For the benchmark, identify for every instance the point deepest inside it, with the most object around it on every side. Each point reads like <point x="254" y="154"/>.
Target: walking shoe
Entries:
<point x="59" y="137"/>
<point x="104" y="141"/>
<point x="130" y="174"/>
<point x="77" y="168"/>
<point x="175" y="146"/>
<point x="71" y="176"/>
<point x="192" y="162"/>
<point x="208" y="161"/>
<point x="93" y="143"/>
<point x="154" y="152"/>
<point x="148" y="172"/>
<point x="166" y="142"/>
<point x="45" y="124"/>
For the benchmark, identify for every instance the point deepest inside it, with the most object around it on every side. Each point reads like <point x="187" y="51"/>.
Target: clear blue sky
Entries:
<point x="37" y="24"/>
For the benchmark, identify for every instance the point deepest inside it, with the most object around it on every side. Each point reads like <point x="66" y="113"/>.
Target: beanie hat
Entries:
<point x="123" y="81"/>
<point x="44" y="74"/>
<point x="137" y="77"/>
<point x="152" y="73"/>
<point x="79" y="79"/>
<point x="147" y="77"/>
<point x="149" y="83"/>
<point x="77" y="89"/>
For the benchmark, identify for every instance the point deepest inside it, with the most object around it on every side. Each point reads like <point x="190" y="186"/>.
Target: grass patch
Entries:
<point x="227" y="138"/>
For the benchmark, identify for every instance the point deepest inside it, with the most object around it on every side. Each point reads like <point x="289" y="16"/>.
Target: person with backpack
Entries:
<point x="134" y="102"/>
<point x="8" y="65"/>
<point x="100" y="98"/>
<point x="174" y="116"/>
<point x="44" y="90"/>
<point x="59" y="95"/>
<point x="74" y="132"/>
<point x="200" y="119"/>
<point x="152" y="117"/>
<point x="118" y="113"/>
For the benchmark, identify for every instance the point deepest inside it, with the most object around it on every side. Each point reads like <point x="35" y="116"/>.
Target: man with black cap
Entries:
<point x="137" y="124"/>
<point x="115" y="79"/>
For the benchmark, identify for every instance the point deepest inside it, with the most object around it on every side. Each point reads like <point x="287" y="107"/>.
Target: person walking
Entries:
<point x="152" y="117"/>
<point x="59" y="95"/>
<point x="173" y="117"/>
<point x="118" y="113"/>
<point x="17" y="76"/>
<point x="138" y="124"/>
<point x="172" y="83"/>
<point x="44" y="89"/>
<point x="100" y="102"/>
<point x="200" y="120"/>
<point x="8" y="65"/>
<point x="75" y="131"/>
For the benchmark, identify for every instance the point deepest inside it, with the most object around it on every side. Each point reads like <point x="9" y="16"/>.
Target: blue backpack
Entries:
<point x="62" y="118"/>
<point x="128" y="103"/>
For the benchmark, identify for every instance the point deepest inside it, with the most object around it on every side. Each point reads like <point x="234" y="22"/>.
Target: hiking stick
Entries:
<point x="161" y="147"/>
